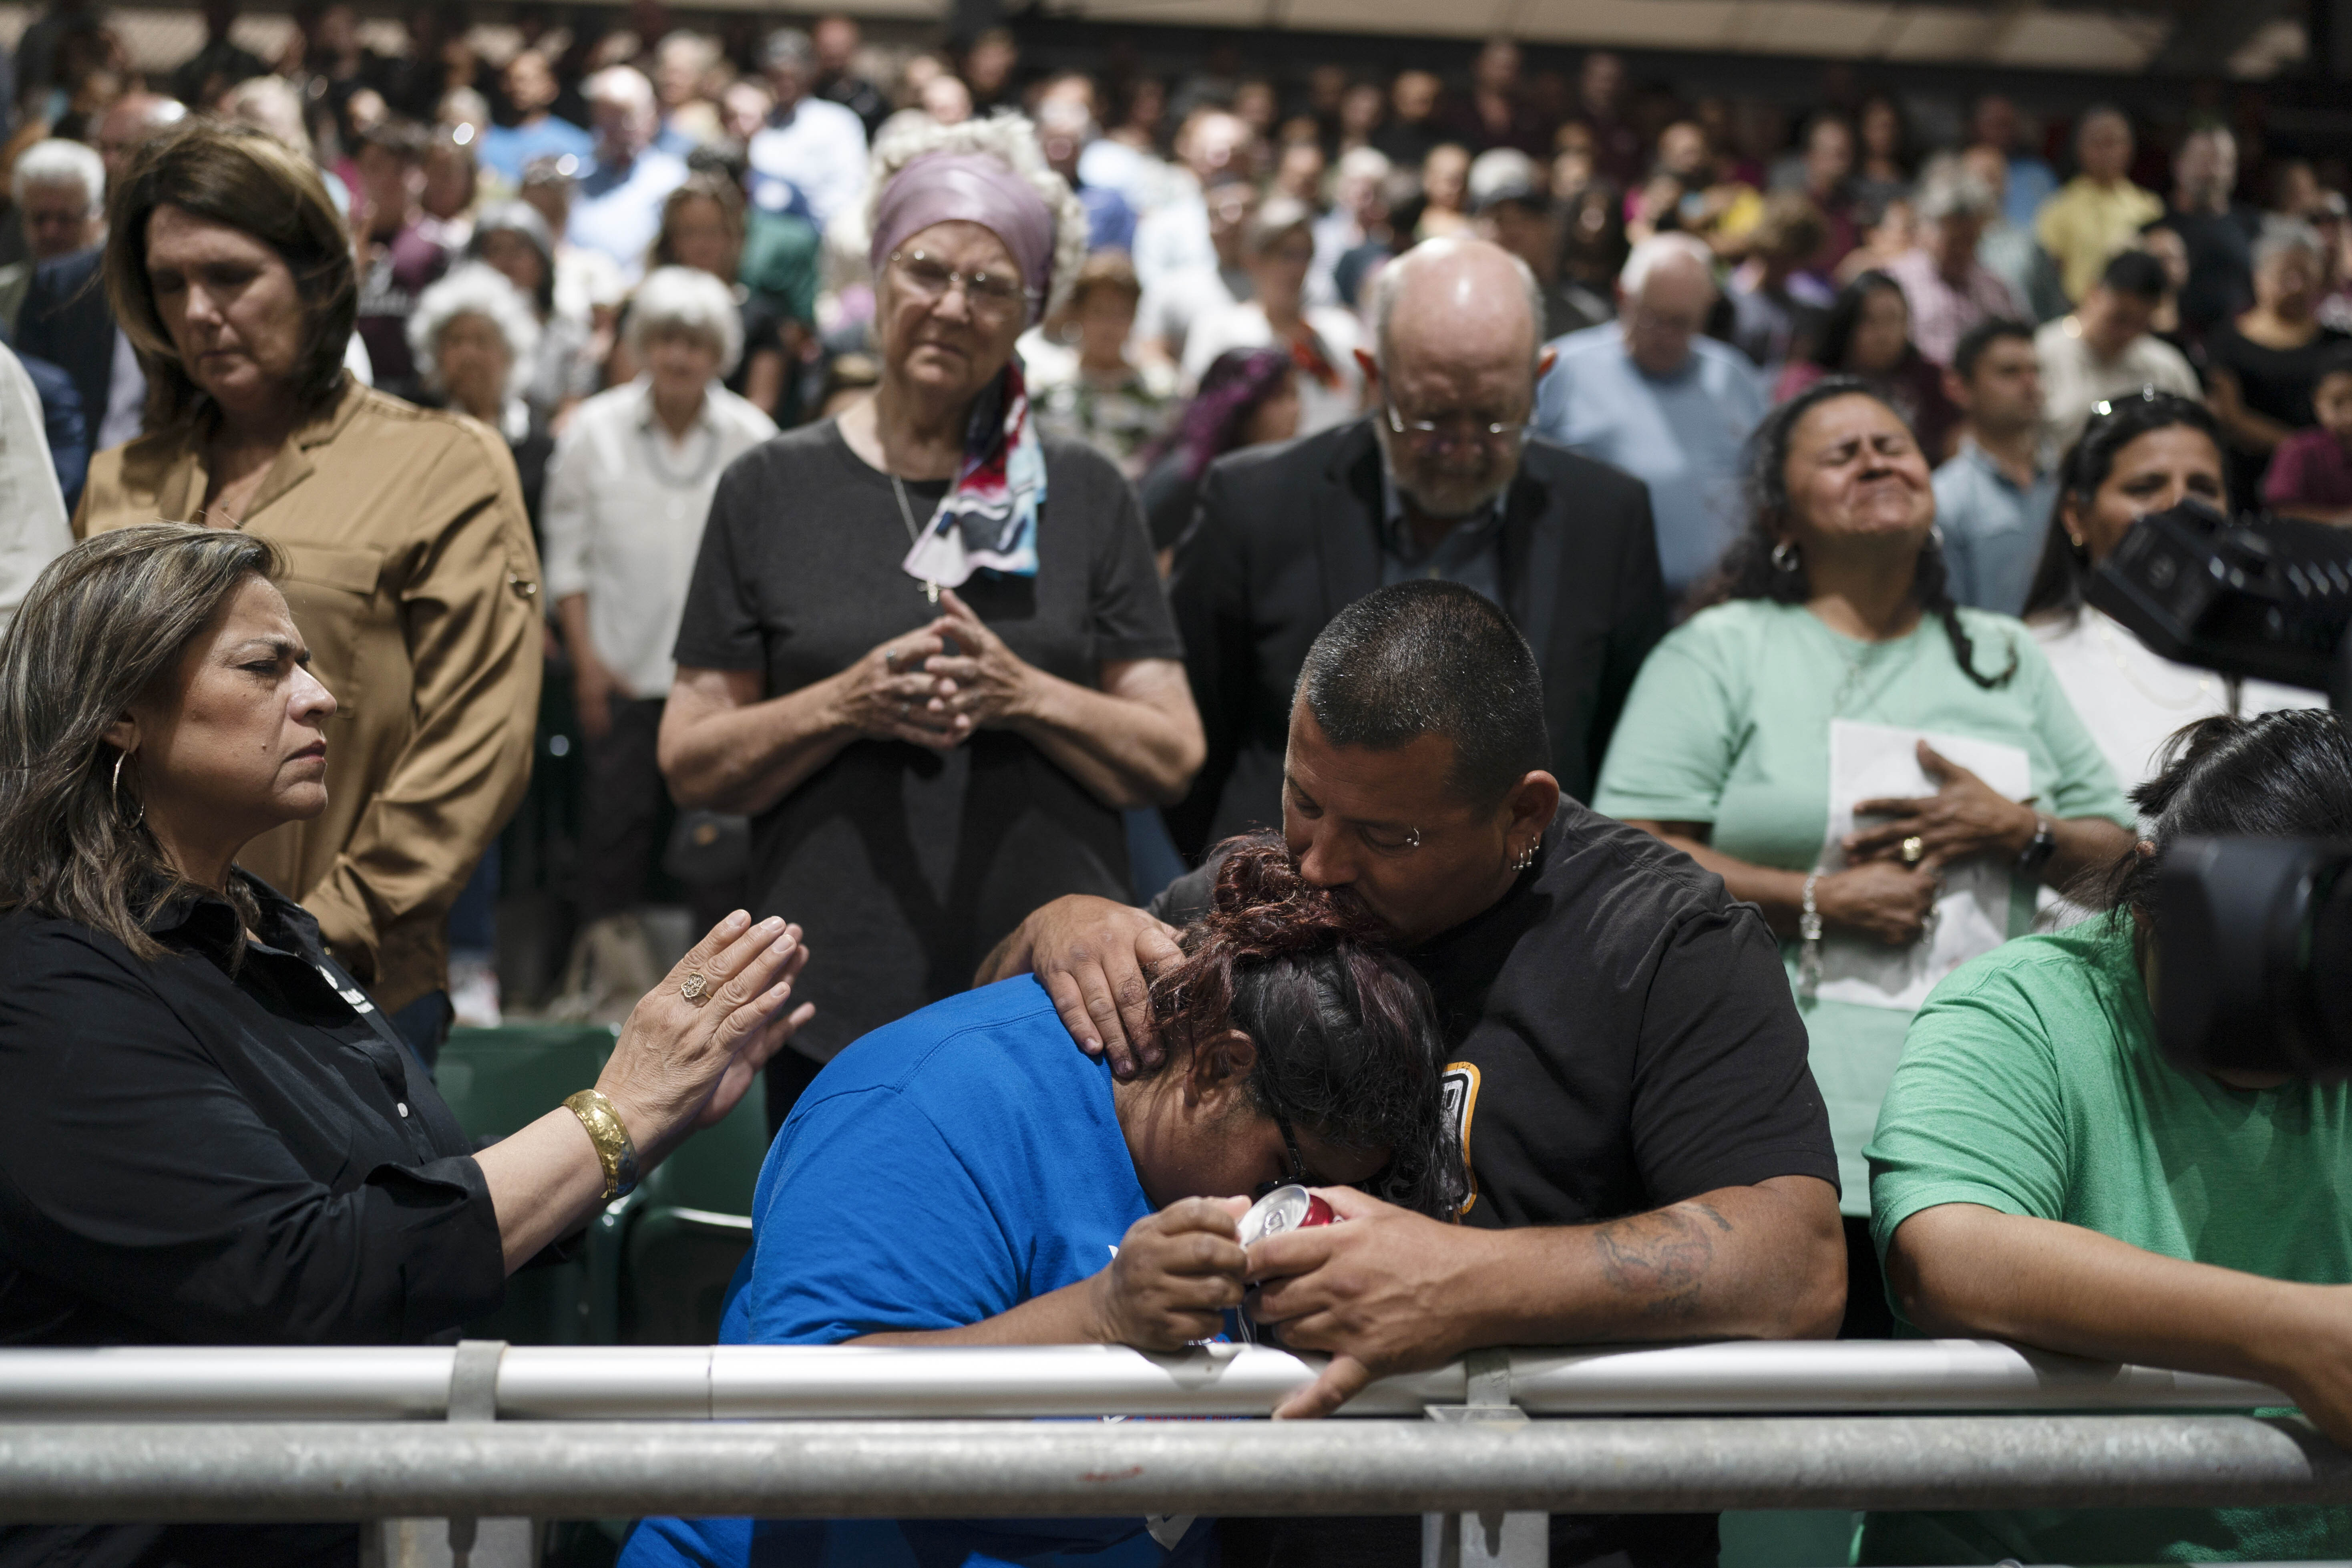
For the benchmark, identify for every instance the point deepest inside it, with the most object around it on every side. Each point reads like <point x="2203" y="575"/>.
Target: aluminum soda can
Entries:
<point x="1291" y="1207"/>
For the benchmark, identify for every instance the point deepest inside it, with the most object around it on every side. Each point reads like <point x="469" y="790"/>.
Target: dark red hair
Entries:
<point x="1345" y="1029"/>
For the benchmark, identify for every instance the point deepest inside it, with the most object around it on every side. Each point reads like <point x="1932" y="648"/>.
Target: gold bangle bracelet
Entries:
<point x="606" y="1130"/>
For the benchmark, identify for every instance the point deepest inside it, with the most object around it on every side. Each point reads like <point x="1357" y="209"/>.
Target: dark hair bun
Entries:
<point x="1262" y="908"/>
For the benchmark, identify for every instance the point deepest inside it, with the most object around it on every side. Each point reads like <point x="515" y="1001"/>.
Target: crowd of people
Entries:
<point x="1525" y="663"/>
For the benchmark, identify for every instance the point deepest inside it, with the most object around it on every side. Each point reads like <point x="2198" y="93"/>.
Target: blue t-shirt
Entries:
<point x="940" y="1171"/>
<point x="506" y="150"/>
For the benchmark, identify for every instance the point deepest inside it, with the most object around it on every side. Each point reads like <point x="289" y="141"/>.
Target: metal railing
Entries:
<point x="863" y="1382"/>
<point x="485" y="1431"/>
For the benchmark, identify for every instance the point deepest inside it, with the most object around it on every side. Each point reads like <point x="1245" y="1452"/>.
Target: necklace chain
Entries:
<point x="906" y="515"/>
<point x="657" y="462"/>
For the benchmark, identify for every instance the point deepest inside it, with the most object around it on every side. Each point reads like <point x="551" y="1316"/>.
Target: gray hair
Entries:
<point x="788" y="46"/>
<point x="687" y="299"/>
<point x="1388" y="283"/>
<point x="58" y="161"/>
<point x="107" y="624"/>
<point x="1012" y="141"/>
<point x="1276" y="216"/>
<point x="623" y="85"/>
<point x="1659" y="249"/>
<point x="2281" y="235"/>
<point x="1953" y="191"/>
<point x="474" y="289"/>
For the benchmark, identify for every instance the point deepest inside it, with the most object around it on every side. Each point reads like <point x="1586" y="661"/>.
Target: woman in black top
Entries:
<point x="925" y="649"/>
<point x="211" y="1135"/>
<point x="2262" y="366"/>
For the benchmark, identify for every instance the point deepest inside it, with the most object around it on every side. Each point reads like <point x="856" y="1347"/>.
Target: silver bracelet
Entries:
<point x="1809" y="932"/>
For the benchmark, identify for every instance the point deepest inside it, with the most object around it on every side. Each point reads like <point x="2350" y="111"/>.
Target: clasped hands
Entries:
<point x="913" y="688"/>
<point x="1378" y="1287"/>
<point x="1894" y="868"/>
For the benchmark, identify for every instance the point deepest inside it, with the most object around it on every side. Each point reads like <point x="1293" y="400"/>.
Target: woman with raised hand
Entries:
<point x="212" y="1136"/>
<point x="965" y="1176"/>
<point x="926" y="649"/>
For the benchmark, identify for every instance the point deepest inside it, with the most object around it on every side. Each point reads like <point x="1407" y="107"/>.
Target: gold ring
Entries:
<point x="1913" y="849"/>
<point x="695" y="987"/>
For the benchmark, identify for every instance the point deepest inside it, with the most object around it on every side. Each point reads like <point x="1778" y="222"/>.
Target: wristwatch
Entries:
<point x="2039" y="848"/>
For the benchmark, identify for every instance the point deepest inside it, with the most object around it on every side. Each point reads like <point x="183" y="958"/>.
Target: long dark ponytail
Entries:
<point x="1757" y="568"/>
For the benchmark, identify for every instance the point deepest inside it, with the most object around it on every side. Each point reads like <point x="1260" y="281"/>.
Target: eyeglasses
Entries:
<point x="1456" y="430"/>
<point x="1297" y="1175"/>
<point x="929" y="280"/>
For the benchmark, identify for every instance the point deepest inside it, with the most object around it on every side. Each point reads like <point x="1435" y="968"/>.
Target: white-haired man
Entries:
<point x="1438" y="481"/>
<point x="60" y="189"/>
<point x="810" y="159"/>
<point x="1650" y="393"/>
<point x="616" y="207"/>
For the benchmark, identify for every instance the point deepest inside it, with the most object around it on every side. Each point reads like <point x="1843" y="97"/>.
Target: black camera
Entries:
<point x="2253" y="936"/>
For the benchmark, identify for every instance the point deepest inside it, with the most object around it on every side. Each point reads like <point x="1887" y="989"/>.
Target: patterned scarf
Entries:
<point x="988" y="520"/>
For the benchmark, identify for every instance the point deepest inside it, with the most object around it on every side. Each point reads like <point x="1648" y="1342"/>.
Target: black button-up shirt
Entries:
<point x="203" y="1151"/>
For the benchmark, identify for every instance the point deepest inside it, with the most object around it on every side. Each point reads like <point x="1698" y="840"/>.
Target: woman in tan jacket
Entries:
<point x="410" y="566"/>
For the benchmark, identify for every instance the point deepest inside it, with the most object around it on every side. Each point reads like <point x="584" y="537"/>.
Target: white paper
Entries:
<point x="1880" y="762"/>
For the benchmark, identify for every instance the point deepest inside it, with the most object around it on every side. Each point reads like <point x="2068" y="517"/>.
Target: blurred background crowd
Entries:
<point x="566" y="204"/>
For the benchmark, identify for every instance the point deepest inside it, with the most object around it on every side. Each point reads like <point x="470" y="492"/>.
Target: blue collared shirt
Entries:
<point x="1993" y="528"/>
<point x="1471" y="552"/>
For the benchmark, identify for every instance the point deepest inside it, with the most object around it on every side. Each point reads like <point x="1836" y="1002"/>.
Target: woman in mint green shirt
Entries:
<point x="2043" y="1173"/>
<point x="1834" y="639"/>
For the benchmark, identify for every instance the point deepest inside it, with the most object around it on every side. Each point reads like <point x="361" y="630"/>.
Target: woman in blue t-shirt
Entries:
<point x="966" y="1176"/>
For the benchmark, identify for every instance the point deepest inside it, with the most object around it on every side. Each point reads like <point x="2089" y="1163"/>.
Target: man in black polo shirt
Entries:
<point x="1649" y="1156"/>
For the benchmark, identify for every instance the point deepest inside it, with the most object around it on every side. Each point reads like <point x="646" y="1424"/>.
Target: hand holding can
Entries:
<point x="1172" y="1278"/>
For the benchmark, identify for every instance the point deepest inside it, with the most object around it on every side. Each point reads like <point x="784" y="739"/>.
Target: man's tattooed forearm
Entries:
<point x="1663" y="1256"/>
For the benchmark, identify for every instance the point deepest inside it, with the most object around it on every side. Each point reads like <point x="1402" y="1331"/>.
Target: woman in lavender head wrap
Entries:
<point x="926" y="649"/>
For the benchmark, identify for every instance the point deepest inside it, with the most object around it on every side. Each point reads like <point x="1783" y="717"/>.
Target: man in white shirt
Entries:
<point x="616" y="206"/>
<point x="2105" y="349"/>
<point x="1321" y="340"/>
<point x="628" y="491"/>
<point x="1164" y="322"/>
<point x="33" y="531"/>
<point x="1213" y="146"/>
<point x="810" y="159"/>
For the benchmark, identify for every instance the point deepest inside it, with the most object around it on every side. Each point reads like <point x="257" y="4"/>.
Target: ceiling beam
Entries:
<point x="2205" y="38"/>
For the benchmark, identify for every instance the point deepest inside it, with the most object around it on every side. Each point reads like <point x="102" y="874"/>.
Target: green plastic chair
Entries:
<point x="660" y="1259"/>
<point x="498" y="1081"/>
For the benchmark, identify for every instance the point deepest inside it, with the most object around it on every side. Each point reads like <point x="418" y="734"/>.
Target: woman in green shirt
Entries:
<point x="1803" y="738"/>
<point x="2041" y="1173"/>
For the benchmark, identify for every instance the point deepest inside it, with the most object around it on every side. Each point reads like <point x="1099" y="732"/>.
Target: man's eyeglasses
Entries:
<point x="1454" y="430"/>
<point x="929" y="278"/>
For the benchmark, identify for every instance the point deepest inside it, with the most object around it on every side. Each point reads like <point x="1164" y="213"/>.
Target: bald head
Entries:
<point x="1458" y="323"/>
<point x="128" y="124"/>
<point x="1459" y="304"/>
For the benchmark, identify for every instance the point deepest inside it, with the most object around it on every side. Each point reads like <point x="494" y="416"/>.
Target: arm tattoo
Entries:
<point x="1664" y="1256"/>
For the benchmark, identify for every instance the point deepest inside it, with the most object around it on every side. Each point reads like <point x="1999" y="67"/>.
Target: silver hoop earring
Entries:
<point x="1784" y="556"/>
<point x="114" y="790"/>
<point x="1527" y="859"/>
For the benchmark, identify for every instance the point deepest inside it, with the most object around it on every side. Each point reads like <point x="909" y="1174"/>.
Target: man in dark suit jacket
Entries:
<point x="1436" y="482"/>
<point x="67" y="321"/>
